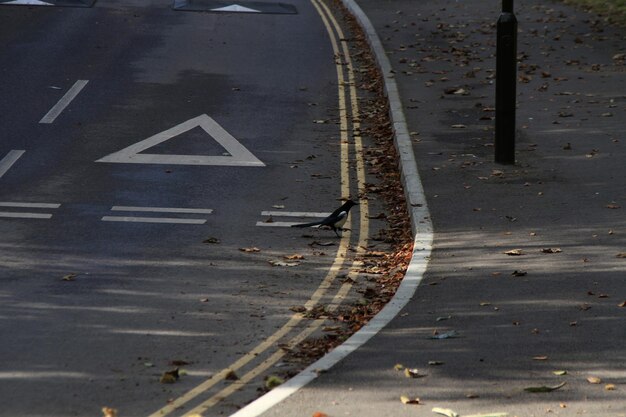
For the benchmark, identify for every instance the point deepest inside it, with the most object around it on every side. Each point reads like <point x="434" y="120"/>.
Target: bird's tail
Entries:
<point x="307" y="224"/>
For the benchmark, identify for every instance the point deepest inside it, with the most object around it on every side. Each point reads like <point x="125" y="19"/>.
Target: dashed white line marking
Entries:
<point x="294" y="214"/>
<point x="162" y="209"/>
<point x="7" y="162"/>
<point x="276" y="224"/>
<point x="171" y="220"/>
<point x="29" y="205"/>
<point x="58" y="108"/>
<point x="25" y="215"/>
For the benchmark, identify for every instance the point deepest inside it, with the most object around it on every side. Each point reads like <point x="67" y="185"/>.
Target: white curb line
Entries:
<point x="420" y="225"/>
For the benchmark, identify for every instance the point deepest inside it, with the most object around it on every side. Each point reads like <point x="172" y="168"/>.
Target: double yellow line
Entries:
<point x="350" y="135"/>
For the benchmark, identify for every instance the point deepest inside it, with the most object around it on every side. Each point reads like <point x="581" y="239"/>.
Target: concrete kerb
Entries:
<point x="420" y="224"/>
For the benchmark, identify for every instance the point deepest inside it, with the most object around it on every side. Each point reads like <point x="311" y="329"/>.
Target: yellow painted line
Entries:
<point x="266" y="344"/>
<point x="356" y="127"/>
<point x="258" y="370"/>
<point x="334" y="269"/>
<point x="314" y="299"/>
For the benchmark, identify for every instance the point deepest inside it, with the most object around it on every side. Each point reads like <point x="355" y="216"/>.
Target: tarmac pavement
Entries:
<point x="528" y="270"/>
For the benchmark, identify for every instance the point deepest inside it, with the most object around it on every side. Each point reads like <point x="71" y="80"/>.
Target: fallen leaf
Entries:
<point x="544" y="388"/>
<point x="445" y="411"/>
<point x="622" y="304"/>
<point x="277" y="262"/>
<point x="609" y="387"/>
<point x="109" y="412"/>
<point x="551" y="250"/>
<point x="559" y="372"/>
<point x="517" y="273"/>
<point x="594" y="380"/>
<point x="613" y="206"/>
<point x="69" y="277"/>
<point x="231" y="376"/>
<point x="398" y="367"/>
<point x="294" y="257"/>
<point x="211" y="240"/>
<point x="458" y="126"/>
<point x="273" y="381"/>
<point x="169" y="377"/>
<point x="250" y="250"/>
<point x="435" y="363"/>
<point x="621" y="255"/>
<point x="514" y="252"/>
<point x="407" y="400"/>
<point x="278" y="206"/>
<point x="178" y="362"/>
<point x="298" y="309"/>
<point x="540" y="358"/>
<point x="319" y="414"/>
<point x="413" y="373"/>
<point x="447" y="335"/>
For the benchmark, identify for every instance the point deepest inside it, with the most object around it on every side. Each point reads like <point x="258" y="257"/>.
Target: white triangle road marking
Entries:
<point x="235" y="8"/>
<point x="28" y="3"/>
<point x="239" y="155"/>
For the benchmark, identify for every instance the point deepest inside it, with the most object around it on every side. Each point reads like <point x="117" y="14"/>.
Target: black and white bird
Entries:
<point x="335" y="221"/>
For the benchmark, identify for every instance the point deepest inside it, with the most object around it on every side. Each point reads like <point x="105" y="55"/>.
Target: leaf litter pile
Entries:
<point x="383" y="268"/>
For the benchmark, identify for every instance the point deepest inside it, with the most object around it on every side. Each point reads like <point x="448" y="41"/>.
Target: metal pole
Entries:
<point x="506" y="79"/>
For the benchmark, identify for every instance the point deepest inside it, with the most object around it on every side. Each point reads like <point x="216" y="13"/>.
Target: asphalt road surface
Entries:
<point x="141" y="151"/>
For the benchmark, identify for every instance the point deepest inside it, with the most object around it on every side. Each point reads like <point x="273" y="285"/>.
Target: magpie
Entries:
<point x="335" y="221"/>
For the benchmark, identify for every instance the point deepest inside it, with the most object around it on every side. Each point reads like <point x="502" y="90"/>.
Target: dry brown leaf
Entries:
<point x="170" y="377"/>
<point x="413" y="373"/>
<point x="250" y="250"/>
<point x="594" y="380"/>
<point x="109" y="412"/>
<point x="278" y="262"/>
<point x="294" y="257"/>
<point x="551" y="250"/>
<point x="406" y="400"/>
<point x="609" y="387"/>
<point x="514" y="252"/>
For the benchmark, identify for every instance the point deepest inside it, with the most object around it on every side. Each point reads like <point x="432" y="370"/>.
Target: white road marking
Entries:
<point x="171" y="220"/>
<point x="25" y="215"/>
<point x="235" y="8"/>
<point x="71" y="94"/>
<point x="294" y="214"/>
<point x="280" y="213"/>
<point x="7" y="162"/>
<point x="162" y="209"/>
<point x="29" y="205"/>
<point x="276" y="224"/>
<point x="29" y="3"/>
<point x="239" y="155"/>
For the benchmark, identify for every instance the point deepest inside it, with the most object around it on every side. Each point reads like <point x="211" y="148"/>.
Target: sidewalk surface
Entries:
<point x="556" y="302"/>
